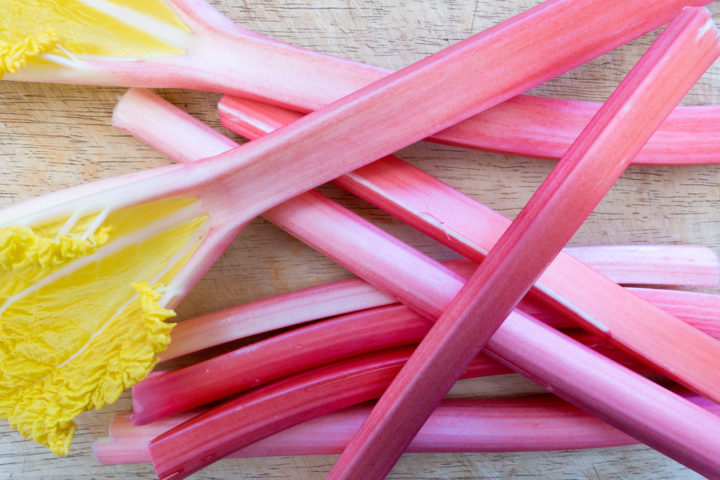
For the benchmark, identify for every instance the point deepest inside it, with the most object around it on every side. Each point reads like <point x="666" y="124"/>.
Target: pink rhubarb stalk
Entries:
<point x="701" y="310"/>
<point x="652" y="264"/>
<point x="682" y="53"/>
<point x="428" y="287"/>
<point x="681" y="265"/>
<point x="545" y="128"/>
<point x="217" y="55"/>
<point x="537" y="423"/>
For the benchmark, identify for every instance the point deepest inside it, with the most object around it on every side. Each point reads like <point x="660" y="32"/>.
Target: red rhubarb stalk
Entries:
<point x="687" y="47"/>
<point x="537" y="423"/>
<point x="211" y="436"/>
<point x="276" y="357"/>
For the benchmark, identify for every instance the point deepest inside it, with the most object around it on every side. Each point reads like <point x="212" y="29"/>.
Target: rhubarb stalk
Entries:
<point x="212" y="435"/>
<point x="597" y="158"/>
<point x="273" y="358"/>
<point x="191" y="45"/>
<point x="532" y="126"/>
<point x="535" y="423"/>
<point x="273" y="313"/>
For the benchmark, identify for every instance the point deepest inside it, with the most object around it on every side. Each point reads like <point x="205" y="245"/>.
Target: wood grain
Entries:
<point x="55" y="136"/>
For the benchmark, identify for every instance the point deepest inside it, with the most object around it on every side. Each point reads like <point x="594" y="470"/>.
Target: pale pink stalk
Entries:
<point x="541" y="127"/>
<point x="652" y="264"/>
<point x="681" y="265"/>
<point x="223" y="57"/>
<point x="538" y="423"/>
<point x="273" y="313"/>
<point x="596" y="159"/>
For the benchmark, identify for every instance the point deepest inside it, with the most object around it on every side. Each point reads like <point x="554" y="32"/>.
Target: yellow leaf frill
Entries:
<point x="14" y="56"/>
<point x="115" y="358"/>
<point x="79" y="321"/>
<point x="71" y="29"/>
<point x="26" y="256"/>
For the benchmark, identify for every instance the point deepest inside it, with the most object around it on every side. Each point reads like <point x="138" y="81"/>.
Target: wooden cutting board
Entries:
<point x="53" y="137"/>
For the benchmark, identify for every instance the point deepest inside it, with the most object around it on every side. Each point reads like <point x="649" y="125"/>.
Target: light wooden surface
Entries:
<point x="57" y="136"/>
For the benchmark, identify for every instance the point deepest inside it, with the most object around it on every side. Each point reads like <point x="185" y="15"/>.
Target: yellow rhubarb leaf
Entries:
<point x="89" y="325"/>
<point x="120" y="357"/>
<point x="72" y="29"/>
